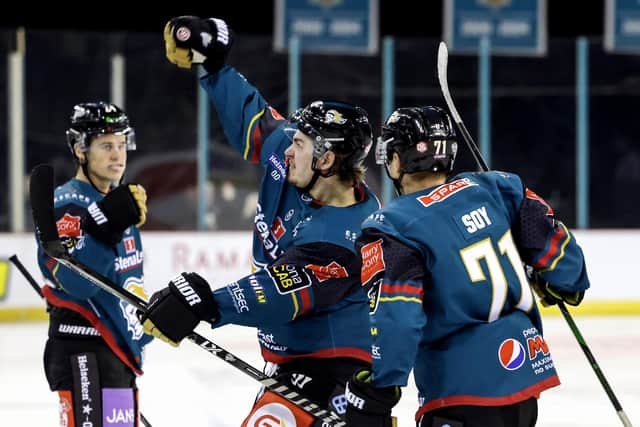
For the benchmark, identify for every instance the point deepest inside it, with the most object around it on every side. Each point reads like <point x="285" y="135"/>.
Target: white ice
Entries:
<point x="187" y="386"/>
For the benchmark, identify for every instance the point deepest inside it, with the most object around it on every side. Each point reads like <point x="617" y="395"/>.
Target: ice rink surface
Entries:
<point x="189" y="387"/>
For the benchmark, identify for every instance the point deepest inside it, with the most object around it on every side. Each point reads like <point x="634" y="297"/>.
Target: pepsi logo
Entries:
<point x="511" y="354"/>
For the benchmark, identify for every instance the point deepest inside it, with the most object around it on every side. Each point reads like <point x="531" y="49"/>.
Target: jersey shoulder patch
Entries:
<point x="289" y="278"/>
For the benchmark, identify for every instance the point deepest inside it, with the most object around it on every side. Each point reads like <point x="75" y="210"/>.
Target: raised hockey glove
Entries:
<point x="175" y="311"/>
<point x="547" y="294"/>
<point x="368" y="406"/>
<point x="122" y="207"/>
<point x="193" y="40"/>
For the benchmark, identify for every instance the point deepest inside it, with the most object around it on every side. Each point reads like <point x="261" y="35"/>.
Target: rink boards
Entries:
<point x="223" y="257"/>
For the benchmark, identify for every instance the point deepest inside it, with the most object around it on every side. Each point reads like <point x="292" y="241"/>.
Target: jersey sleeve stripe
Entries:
<point x="401" y="298"/>
<point x="250" y="134"/>
<point x="389" y="289"/>
<point x="556" y="249"/>
<point x="562" y="248"/>
<point x="296" y="307"/>
<point x="301" y="302"/>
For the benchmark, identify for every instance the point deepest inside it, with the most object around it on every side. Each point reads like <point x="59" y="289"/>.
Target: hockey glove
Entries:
<point x="192" y="40"/>
<point x="122" y="207"/>
<point x="547" y="294"/>
<point x="175" y="311"/>
<point x="368" y="406"/>
<point x="536" y="222"/>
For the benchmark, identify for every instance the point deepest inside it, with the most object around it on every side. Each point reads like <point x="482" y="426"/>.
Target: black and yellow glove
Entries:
<point x="547" y="294"/>
<point x="175" y="311"/>
<point x="139" y="195"/>
<point x="193" y="40"/>
<point x="369" y="406"/>
<point x="122" y="207"/>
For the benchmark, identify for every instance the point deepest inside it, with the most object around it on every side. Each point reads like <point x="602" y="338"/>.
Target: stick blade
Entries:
<point x="41" y="197"/>
<point x="443" y="59"/>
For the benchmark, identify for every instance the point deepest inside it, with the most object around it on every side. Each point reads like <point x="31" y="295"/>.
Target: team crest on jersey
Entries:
<point x="133" y="285"/>
<point x="289" y="278"/>
<point x="325" y="272"/>
<point x="372" y="261"/>
<point x="511" y="354"/>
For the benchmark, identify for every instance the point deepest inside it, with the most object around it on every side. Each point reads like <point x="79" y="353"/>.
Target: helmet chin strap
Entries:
<point x="85" y="170"/>
<point x="316" y="174"/>
<point x="314" y="179"/>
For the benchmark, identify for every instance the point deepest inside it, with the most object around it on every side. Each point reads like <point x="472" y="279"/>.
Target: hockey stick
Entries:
<point x="443" y="60"/>
<point x="14" y="259"/>
<point x="41" y="195"/>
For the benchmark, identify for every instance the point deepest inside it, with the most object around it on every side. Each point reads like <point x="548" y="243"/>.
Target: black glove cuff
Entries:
<point x="213" y="64"/>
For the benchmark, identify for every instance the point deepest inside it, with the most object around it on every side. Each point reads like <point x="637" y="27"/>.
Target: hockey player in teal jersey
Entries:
<point x="94" y="351"/>
<point x="305" y="297"/>
<point x="449" y="296"/>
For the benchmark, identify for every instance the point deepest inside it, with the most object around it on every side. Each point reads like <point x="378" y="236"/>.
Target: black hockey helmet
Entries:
<point x="338" y="126"/>
<point x="91" y="119"/>
<point x="423" y="137"/>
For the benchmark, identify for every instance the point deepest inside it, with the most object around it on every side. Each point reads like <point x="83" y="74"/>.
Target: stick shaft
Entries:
<point x="14" y="259"/>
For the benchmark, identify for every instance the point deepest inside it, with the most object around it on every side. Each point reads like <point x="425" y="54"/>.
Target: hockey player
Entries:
<point x="449" y="298"/>
<point x="94" y="349"/>
<point x="305" y="297"/>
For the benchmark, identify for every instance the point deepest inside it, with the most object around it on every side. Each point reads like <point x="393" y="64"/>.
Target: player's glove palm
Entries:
<point x="175" y="311"/>
<point x="140" y="197"/>
<point x="547" y="294"/>
<point x="193" y="40"/>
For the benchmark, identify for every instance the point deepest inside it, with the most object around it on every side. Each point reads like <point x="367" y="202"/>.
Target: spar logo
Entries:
<point x="511" y="354"/>
<point x="278" y="229"/>
<point x="272" y="415"/>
